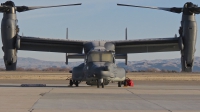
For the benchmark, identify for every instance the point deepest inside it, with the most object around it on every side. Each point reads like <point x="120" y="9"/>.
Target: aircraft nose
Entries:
<point x="102" y="72"/>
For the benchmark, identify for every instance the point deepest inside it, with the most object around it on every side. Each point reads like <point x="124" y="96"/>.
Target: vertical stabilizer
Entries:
<point x="126" y="36"/>
<point x="67" y="34"/>
<point x="66" y="53"/>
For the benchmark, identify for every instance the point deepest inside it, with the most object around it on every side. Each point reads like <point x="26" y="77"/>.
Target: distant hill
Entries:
<point x="166" y="64"/>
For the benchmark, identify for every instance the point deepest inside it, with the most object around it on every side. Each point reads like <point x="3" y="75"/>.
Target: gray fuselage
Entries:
<point x="99" y="64"/>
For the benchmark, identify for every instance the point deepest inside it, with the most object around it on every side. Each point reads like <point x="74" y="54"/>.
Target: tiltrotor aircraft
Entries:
<point x="99" y="66"/>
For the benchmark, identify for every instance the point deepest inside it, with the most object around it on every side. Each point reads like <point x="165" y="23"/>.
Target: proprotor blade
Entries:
<point x="2" y="8"/>
<point x="197" y="10"/>
<point x="26" y="8"/>
<point x="173" y="9"/>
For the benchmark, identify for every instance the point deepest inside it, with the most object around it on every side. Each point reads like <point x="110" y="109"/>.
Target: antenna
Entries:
<point x="67" y="34"/>
<point x="126" y="36"/>
<point x="22" y="34"/>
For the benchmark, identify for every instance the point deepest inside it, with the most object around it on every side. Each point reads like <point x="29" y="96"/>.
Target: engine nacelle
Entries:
<point x="8" y="34"/>
<point x="181" y="46"/>
<point x="189" y="35"/>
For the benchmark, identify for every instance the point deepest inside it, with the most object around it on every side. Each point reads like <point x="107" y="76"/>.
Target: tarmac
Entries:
<point x="145" y="96"/>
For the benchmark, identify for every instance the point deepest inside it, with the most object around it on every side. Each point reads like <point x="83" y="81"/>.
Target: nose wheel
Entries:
<point x="100" y="82"/>
<point x="102" y="85"/>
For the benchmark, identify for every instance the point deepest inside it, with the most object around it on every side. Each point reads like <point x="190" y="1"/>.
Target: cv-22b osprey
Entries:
<point x="99" y="56"/>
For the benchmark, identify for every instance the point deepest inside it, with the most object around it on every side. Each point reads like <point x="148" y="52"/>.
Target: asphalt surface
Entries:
<point x="145" y="96"/>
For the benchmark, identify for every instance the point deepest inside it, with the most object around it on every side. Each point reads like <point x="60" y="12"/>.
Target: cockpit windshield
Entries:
<point x="100" y="57"/>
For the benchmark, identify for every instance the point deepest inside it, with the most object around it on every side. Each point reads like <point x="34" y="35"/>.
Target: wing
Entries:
<point x="146" y="45"/>
<point x="51" y="45"/>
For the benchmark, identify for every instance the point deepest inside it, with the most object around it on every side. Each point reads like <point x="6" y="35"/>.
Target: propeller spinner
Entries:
<point x="188" y="8"/>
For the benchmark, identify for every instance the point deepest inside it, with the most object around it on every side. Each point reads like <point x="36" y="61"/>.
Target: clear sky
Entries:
<point x="100" y="20"/>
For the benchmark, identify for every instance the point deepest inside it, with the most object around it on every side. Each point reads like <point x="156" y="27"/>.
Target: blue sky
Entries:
<point x="100" y="20"/>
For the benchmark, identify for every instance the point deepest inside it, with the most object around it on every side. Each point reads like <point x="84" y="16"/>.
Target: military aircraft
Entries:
<point x="99" y="66"/>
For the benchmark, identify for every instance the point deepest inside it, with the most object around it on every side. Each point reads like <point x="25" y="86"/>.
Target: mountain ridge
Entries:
<point x="158" y="64"/>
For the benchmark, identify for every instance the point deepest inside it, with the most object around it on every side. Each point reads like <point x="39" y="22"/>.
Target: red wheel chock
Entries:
<point x="129" y="82"/>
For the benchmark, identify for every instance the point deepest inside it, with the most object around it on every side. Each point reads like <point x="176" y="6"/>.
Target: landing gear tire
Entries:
<point x="71" y="83"/>
<point x="76" y="83"/>
<point x="125" y="83"/>
<point x="119" y="84"/>
<point x="102" y="85"/>
<point x="98" y="84"/>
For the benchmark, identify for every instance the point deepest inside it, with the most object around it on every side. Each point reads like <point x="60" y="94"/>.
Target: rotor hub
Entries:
<point x="9" y="3"/>
<point x="190" y="5"/>
<point x="189" y="8"/>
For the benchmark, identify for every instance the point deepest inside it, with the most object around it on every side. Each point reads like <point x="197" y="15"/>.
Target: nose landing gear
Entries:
<point x="102" y="85"/>
<point x="100" y="82"/>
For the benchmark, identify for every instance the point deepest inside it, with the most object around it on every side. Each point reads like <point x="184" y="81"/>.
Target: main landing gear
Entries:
<point x="123" y="82"/>
<point x="119" y="84"/>
<point x="71" y="82"/>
